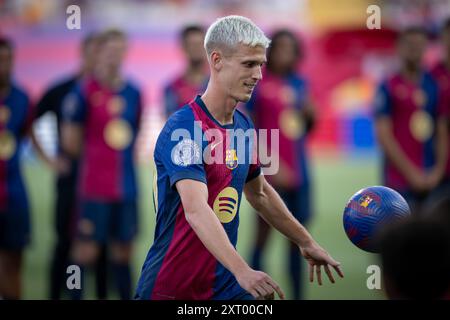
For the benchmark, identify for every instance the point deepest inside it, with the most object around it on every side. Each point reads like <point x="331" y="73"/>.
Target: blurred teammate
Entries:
<point x="194" y="79"/>
<point x="200" y="184"/>
<point x="65" y="168"/>
<point x="410" y="126"/>
<point x="281" y="101"/>
<point x="15" y="118"/>
<point x="441" y="73"/>
<point x="405" y="276"/>
<point x="102" y="118"/>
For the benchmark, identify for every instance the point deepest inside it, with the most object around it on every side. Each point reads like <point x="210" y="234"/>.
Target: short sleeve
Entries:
<point x="382" y="103"/>
<point x="74" y="107"/>
<point x="179" y="149"/>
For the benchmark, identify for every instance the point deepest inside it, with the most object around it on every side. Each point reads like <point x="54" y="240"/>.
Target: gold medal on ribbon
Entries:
<point x="115" y="105"/>
<point x="421" y="125"/>
<point x="118" y="134"/>
<point x="291" y="124"/>
<point x="419" y="98"/>
<point x="7" y="145"/>
<point x="5" y="114"/>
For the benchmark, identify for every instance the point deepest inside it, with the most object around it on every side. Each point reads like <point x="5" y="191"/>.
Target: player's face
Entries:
<point x="284" y="54"/>
<point x="112" y="53"/>
<point x="193" y="48"/>
<point x="241" y="71"/>
<point x="5" y="64"/>
<point x="90" y="54"/>
<point x="412" y="47"/>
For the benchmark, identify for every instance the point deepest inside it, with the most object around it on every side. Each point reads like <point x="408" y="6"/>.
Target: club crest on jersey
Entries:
<point x="365" y="201"/>
<point x="231" y="159"/>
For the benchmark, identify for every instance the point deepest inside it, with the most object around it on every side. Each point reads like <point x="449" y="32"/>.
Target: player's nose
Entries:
<point x="257" y="73"/>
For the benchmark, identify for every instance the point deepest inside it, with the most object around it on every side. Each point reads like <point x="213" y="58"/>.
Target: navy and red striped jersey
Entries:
<point x="110" y="119"/>
<point x="178" y="265"/>
<point x="414" y="109"/>
<point x="15" y="120"/>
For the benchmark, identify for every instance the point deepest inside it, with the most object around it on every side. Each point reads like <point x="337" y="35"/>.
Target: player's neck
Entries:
<point x="4" y="89"/>
<point x="195" y="74"/>
<point x="219" y="106"/>
<point x="412" y="72"/>
<point x="111" y="80"/>
<point x="85" y="71"/>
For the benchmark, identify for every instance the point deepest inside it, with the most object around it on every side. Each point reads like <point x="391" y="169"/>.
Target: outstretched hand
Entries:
<point x="318" y="257"/>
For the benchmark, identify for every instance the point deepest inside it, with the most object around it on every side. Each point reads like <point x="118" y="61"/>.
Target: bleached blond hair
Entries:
<point x="230" y="31"/>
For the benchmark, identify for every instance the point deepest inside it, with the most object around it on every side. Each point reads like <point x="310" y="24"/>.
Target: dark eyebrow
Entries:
<point x="254" y="61"/>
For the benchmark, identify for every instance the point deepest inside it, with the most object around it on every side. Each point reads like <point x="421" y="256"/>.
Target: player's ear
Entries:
<point x="216" y="60"/>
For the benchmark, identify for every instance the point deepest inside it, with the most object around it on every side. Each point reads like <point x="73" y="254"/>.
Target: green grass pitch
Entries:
<point x="335" y="181"/>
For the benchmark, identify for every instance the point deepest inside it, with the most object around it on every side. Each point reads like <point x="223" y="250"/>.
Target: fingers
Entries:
<point x="263" y="289"/>
<point x="329" y="274"/>
<point x="254" y="293"/>
<point x="319" y="275"/>
<point x="339" y="271"/>
<point x="276" y="287"/>
<point x="316" y="269"/>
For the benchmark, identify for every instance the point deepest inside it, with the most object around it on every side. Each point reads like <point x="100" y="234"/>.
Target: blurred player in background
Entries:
<point x="441" y="73"/>
<point x="282" y="101"/>
<point x="194" y="252"/>
<point x="65" y="168"/>
<point x="15" y="119"/>
<point x="101" y="122"/>
<point x="194" y="79"/>
<point x="410" y="125"/>
<point x="405" y="276"/>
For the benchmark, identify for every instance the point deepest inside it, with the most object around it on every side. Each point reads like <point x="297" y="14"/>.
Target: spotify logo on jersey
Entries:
<point x="226" y="204"/>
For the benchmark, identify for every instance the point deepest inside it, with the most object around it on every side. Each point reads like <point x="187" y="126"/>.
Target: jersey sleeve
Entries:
<point x="74" y="107"/>
<point x="179" y="149"/>
<point x="382" y="102"/>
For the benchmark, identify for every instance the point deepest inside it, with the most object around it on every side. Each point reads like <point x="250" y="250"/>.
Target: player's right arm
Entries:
<point x="204" y="222"/>
<point x="390" y="146"/>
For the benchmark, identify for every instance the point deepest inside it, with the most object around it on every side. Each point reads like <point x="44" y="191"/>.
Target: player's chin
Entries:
<point x="245" y="97"/>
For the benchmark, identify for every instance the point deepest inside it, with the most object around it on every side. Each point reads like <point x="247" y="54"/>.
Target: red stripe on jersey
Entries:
<point x="188" y="268"/>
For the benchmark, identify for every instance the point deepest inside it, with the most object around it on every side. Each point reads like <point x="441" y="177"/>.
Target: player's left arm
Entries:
<point x="438" y="171"/>
<point x="266" y="201"/>
<point x="309" y="114"/>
